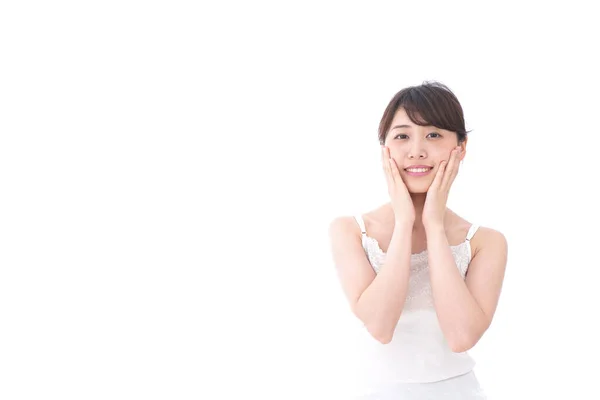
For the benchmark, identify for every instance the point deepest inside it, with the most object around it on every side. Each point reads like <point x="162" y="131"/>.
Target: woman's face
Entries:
<point x="418" y="150"/>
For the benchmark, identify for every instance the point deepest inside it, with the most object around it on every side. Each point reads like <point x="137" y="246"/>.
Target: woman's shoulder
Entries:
<point x="483" y="236"/>
<point x="343" y="225"/>
<point x="491" y="236"/>
<point x="370" y="215"/>
<point x="487" y="237"/>
<point x="351" y="223"/>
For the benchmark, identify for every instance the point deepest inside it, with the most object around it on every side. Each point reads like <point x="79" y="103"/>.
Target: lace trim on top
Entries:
<point x="419" y="288"/>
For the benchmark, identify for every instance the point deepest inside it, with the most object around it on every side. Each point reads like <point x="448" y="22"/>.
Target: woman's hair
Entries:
<point x="431" y="103"/>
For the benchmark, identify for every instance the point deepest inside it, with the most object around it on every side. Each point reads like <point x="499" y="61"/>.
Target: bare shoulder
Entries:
<point x="489" y="239"/>
<point x="344" y="225"/>
<point x="485" y="240"/>
<point x="347" y="226"/>
<point x="344" y="231"/>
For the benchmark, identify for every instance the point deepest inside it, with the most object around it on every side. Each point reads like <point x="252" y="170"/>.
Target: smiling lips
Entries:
<point x="418" y="170"/>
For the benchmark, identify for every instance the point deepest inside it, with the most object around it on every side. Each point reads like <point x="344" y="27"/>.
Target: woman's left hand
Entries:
<point x="437" y="195"/>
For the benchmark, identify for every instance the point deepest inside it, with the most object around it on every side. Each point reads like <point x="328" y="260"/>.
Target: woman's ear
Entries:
<point x="463" y="146"/>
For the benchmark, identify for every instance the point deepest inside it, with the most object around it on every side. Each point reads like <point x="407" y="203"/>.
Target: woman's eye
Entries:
<point x="401" y="136"/>
<point x="434" y="135"/>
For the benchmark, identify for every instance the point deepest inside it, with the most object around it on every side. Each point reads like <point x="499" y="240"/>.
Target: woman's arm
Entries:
<point x="376" y="299"/>
<point x="465" y="308"/>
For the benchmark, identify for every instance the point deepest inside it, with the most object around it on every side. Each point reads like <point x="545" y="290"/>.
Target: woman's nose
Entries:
<point x="417" y="151"/>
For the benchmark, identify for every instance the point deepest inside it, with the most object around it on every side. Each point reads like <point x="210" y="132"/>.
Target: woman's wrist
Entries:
<point x="435" y="229"/>
<point x="404" y="223"/>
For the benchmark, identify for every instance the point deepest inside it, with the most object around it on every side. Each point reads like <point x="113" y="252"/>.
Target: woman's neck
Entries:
<point x="418" y="200"/>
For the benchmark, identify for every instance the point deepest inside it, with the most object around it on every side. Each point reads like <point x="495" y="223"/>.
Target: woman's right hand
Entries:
<point x="402" y="204"/>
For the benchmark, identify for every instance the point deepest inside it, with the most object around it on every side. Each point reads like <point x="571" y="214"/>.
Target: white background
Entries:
<point x="168" y="171"/>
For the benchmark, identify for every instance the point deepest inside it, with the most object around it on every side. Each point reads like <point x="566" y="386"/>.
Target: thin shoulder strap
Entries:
<point x="472" y="231"/>
<point x="361" y="223"/>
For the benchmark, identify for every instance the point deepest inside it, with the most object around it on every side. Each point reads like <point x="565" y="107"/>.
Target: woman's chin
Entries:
<point x="418" y="189"/>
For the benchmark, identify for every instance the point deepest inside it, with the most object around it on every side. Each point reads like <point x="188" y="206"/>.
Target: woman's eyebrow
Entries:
<point x="401" y="126"/>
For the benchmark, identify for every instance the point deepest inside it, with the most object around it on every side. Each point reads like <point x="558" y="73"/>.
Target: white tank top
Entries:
<point x="418" y="351"/>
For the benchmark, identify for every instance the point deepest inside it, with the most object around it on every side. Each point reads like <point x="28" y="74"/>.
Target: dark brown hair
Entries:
<point x="431" y="103"/>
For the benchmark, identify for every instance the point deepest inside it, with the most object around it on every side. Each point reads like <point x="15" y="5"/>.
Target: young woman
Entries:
<point x="423" y="281"/>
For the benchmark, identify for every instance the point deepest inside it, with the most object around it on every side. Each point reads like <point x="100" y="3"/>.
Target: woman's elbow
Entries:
<point x="383" y="336"/>
<point x="460" y="347"/>
<point x="384" y="339"/>
<point x="462" y="344"/>
<point x="376" y="328"/>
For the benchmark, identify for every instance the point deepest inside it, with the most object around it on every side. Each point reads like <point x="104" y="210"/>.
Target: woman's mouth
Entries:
<point x="418" y="170"/>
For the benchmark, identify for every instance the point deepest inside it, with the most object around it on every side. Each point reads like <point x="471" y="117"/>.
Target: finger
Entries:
<point x="437" y="180"/>
<point x="400" y="180"/>
<point x="391" y="165"/>
<point x="395" y="170"/>
<point x="452" y="169"/>
<point x="456" y="166"/>
<point x="386" y="165"/>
